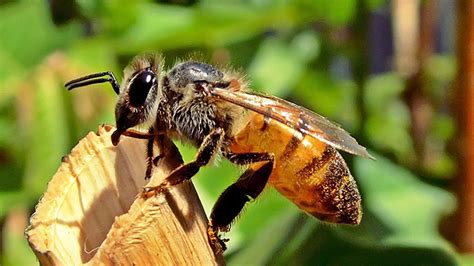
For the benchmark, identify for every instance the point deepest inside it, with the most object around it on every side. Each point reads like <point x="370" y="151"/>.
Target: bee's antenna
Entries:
<point x="94" y="79"/>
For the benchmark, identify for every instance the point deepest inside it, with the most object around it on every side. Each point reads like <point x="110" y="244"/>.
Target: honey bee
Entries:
<point x="283" y="144"/>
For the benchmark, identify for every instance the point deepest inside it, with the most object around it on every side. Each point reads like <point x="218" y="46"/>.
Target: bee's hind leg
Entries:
<point x="231" y="202"/>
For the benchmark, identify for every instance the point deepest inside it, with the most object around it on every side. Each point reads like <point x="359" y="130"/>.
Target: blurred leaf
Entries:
<point x="442" y="166"/>
<point x="48" y="132"/>
<point x="10" y="200"/>
<point x="298" y="233"/>
<point x="335" y="12"/>
<point x="15" y="247"/>
<point x="437" y="161"/>
<point x="151" y="29"/>
<point x="443" y="127"/>
<point x="440" y="71"/>
<point x="11" y="72"/>
<point x="27" y="35"/>
<point x="10" y="175"/>
<point x="262" y="248"/>
<point x="114" y="21"/>
<point x="6" y="130"/>
<point x="275" y="67"/>
<point x="441" y="68"/>
<point x="329" y="97"/>
<point x="388" y="121"/>
<point x="389" y="130"/>
<point x="306" y="45"/>
<point x="382" y="88"/>
<point x="94" y="54"/>
<point x="165" y="26"/>
<point x="259" y="213"/>
<point x="410" y="209"/>
<point x="327" y="247"/>
<point x="90" y="8"/>
<point x="373" y="4"/>
<point x="27" y="23"/>
<point x="466" y="260"/>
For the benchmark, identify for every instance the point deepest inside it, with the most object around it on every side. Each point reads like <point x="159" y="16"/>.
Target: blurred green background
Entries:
<point x="340" y="58"/>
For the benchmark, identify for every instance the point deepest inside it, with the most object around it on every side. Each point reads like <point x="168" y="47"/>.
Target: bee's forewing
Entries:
<point x="296" y="117"/>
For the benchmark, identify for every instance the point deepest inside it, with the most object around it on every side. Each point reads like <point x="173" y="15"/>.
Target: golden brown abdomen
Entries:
<point x="307" y="171"/>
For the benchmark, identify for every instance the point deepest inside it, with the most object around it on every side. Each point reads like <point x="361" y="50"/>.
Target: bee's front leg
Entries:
<point x="165" y="146"/>
<point x="149" y="156"/>
<point x="115" y="138"/>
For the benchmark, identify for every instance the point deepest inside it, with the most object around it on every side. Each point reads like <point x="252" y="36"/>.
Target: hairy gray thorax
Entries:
<point x="194" y="121"/>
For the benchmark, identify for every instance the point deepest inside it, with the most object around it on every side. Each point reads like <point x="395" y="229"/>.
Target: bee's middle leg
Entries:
<point x="206" y="151"/>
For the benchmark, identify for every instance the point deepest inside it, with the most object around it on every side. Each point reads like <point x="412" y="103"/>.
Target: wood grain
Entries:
<point x="92" y="212"/>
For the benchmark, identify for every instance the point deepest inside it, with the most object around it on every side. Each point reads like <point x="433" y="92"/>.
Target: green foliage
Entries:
<point x="388" y="123"/>
<point x="285" y="51"/>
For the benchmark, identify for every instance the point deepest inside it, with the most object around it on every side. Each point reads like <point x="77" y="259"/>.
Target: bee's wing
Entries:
<point x="296" y="117"/>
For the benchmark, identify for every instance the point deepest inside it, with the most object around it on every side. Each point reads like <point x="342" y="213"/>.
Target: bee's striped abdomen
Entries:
<point x="337" y="193"/>
<point x="307" y="171"/>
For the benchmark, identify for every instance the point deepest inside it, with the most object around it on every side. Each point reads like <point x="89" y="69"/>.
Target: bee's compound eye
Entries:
<point x="140" y="87"/>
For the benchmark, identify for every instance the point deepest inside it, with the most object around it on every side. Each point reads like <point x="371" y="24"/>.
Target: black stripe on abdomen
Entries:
<point x="292" y="145"/>
<point x="317" y="163"/>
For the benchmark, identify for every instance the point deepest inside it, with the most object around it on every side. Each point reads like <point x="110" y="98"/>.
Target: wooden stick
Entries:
<point x="463" y="225"/>
<point x="92" y="212"/>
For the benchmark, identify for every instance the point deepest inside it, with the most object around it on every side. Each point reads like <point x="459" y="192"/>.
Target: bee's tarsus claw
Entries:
<point x="115" y="138"/>
<point x="157" y="159"/>
<point x="218" y="245"/>
<point x="148" y="192"/>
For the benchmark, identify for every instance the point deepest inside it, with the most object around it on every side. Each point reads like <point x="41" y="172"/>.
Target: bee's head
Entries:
<point x="138" y="96"/>
<point x="138" y="99"/>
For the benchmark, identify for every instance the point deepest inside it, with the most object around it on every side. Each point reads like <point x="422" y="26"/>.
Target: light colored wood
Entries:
<point x="92" y="212"/>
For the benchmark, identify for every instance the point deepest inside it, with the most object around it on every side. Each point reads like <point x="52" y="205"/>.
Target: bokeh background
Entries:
<point x="385" y="70"/>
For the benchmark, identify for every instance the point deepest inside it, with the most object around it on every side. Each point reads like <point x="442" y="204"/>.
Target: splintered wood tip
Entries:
<point x="93" y="211"/>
